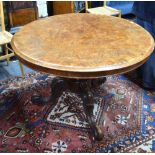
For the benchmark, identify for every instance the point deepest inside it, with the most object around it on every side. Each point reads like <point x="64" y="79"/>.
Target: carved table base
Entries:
<point x="83" y="89"/>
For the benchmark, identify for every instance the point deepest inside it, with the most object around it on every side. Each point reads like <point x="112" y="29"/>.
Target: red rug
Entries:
<point x="29" y="125"/>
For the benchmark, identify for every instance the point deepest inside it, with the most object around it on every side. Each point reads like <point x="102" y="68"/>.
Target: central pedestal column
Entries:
<point x="83" y="88"/>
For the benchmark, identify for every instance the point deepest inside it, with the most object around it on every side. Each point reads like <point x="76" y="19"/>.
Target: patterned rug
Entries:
<point x="32" y="123"/>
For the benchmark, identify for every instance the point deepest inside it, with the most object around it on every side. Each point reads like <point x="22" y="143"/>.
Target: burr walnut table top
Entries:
<point x="83" y="45"/>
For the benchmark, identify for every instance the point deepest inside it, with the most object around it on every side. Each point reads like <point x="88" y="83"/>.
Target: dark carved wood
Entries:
<point x="89" y="106"/>
<point x="84" y="89"/>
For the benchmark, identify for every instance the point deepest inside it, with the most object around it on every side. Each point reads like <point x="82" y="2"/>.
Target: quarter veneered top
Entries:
<point x="71" y="45"/>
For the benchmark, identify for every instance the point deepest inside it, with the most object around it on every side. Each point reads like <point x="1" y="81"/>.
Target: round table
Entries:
<point x="81" y="49"/>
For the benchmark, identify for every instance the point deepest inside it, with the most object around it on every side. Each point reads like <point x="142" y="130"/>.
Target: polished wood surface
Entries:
<point x="21" y="12"/>
<point x="83" y="45"/>
<point x="63" y="7"/>
<point x="22" y="16"/>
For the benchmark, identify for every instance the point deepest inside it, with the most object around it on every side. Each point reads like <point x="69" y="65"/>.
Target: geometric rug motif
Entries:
<point x="28" y="126"/>
<point x="69" y="111"/>
<point x="142" y="141"/>
<point x="119" y="100"/>
<point x="122" y="110"/>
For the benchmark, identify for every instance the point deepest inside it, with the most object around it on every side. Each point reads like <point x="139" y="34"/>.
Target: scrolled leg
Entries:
<point x="89" y="107"/>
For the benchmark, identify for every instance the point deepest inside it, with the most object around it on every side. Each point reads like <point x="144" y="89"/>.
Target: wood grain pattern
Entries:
<point x="63" y="7"/>
<point x="83" y="45"/>
<point x="21" y="12"/>
<point x="22" y="16"/>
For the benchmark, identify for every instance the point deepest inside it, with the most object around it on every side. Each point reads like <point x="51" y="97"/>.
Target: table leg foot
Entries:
<point x="98" y="134"/>
<point x="88" y="105"/>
